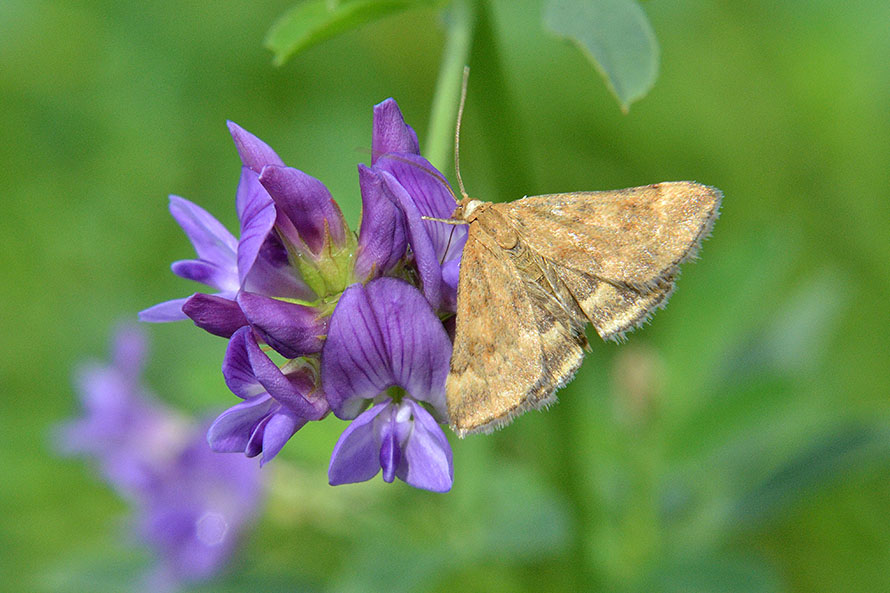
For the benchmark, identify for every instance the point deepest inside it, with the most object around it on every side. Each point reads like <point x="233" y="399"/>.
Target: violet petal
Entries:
<point x="426" y="185"/>
<point x="390" y="451"/>
<point x="380" y="335"/>
<point x="307" y="203"/>
<point x="255" y="441"/>
<point x="391" y="133"/>
<point x="382" y="238"/>
<point x="256" y="213"/>
<point x="231" y="431"/>
<point x="206" y="272"/>
<point x="212" y="241"/>
<point x="356" y="454"/>
<point x="254" y="153"/>
<point x="451" y="272"/>
<point x="427" y="461"/>
<point x="164" y="312"/>
<point x="236" y="368"/>
<point x="354" y="363"/>
<point x="422" y="245"/>
<point x="419" y="349"/>
<point x="290" y="391"/>
<point x="218" y="315"/>
<point x="278" y="430"/>
<point x="272" y="273"/>
<point x="291" y="329"/>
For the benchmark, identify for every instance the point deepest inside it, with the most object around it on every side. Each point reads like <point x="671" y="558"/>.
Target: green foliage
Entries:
<point x="314" y="21"/>
<point x="616" y="37"/>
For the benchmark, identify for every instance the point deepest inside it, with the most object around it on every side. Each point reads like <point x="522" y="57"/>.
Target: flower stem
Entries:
<point x="461" y="21"/>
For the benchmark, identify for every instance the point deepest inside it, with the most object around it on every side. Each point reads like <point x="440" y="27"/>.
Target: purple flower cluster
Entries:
<point x="191" y="505"/>
<point x="355" y="320"/>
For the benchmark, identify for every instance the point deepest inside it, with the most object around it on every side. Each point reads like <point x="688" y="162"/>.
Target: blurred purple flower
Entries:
<point x="123" y="428"/>
<point x="386" y="346"/>
<point x="198" y="510"/>
<point x="277" y="402"/>
<point x="190" y="505"/>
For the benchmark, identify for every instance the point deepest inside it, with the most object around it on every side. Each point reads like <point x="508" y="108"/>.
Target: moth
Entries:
<point x="534" y="273"/>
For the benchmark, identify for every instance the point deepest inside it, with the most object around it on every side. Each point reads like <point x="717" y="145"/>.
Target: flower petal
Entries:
<point x="212" y="241"/>
<point x="206" y="272"/>
<point x="296" y="391"/>
<point x="418" y="347"/>
<point x="292" y="330"/>
<point x="256" y="213"/>
<point x="391" y="133"/>
<point x="380" y="335"/>
<point x="215" y="314"/>
<point x="426" y="185"/>
<point x="451" y="271"/>
<point x="272" y="274"/>
<point x="356" y="455"/>
<point x="434" y="243"/>
<point x="390" y="450"/>
<point x="278" y="430"/>
<point x="354" y="360"/>
<point x="254" y="153"/>
<point x="231" y="431"/>
<point x="382" y="238"/>
<point x="307" y="203"/>
<point x="164" y="312"/>
<point x="427" y="461"/>
<point x="236" y="368"/>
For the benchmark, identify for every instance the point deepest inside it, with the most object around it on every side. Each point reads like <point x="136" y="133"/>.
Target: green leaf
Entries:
<point x="314" y="21"/>
<point x="616" y="36"/>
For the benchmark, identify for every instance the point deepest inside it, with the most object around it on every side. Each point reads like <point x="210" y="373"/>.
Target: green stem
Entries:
<point x="458" y="41"/>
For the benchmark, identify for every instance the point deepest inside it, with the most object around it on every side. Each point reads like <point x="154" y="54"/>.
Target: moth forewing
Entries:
<point x="635" y="236"/>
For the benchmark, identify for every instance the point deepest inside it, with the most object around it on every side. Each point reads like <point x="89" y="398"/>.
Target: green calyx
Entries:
<point x="330" y="271"/>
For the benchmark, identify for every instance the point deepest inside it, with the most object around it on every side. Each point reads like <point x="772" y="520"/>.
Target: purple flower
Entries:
<point x="277" y="401"/>
<point x="190" y="505"/>
<point x="123" y="428"/>
<point x="387" y="347"/>
<point x="194" y="516"/>
<point x="257" y="262"/>
<point x="419" y="189"/>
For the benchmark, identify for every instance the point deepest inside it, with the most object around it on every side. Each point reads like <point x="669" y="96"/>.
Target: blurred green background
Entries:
<point x="740" y="442"/>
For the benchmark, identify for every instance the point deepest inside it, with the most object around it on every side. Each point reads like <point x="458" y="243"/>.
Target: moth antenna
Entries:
<point x="460" y="114"/>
